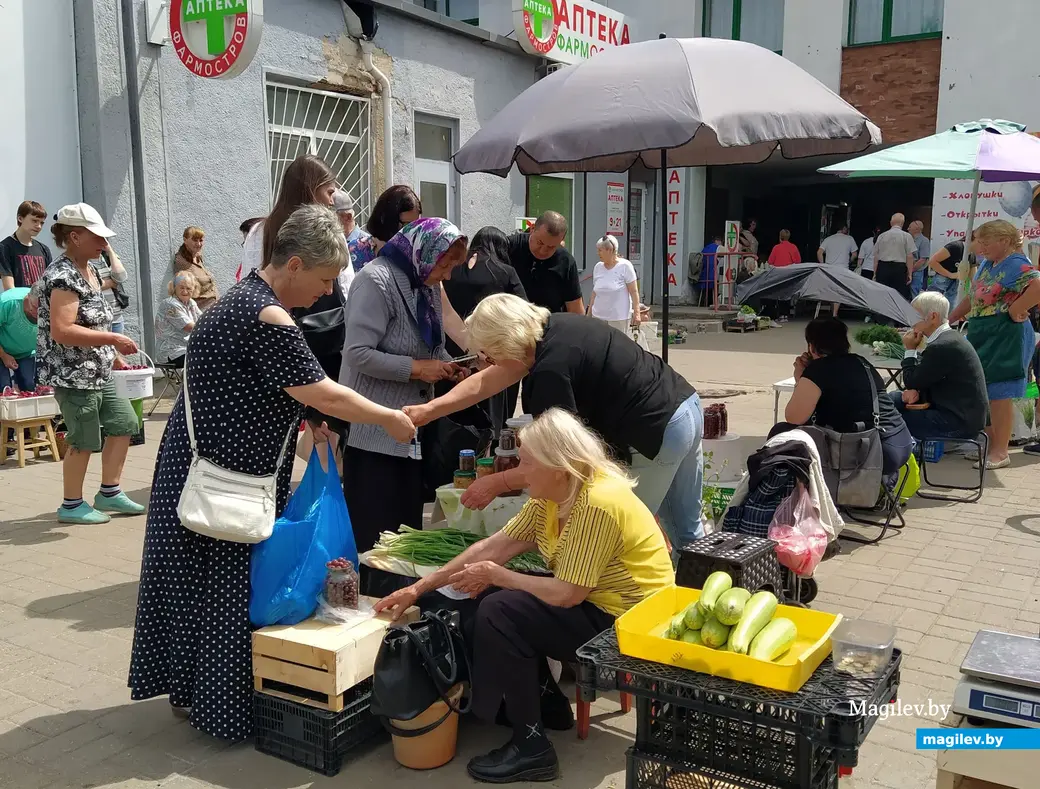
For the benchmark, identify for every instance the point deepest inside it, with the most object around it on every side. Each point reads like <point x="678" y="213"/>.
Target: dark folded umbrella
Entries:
<point x="832" y="284"/>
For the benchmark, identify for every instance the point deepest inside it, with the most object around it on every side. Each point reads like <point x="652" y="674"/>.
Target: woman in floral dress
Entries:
<point x="1005" y="288"/>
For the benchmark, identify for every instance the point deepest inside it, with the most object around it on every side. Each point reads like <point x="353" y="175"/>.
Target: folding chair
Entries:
<point x="173" y="375"/>
<point x="981" y="443"/>
<point x="888" y="505"/>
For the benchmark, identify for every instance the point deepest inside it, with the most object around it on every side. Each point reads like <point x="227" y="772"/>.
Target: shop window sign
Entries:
<point x="568" y="32"/>
<point x="216" y="39"/>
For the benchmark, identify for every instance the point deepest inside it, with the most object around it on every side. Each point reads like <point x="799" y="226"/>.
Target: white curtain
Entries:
<point x="866" y="20"/>
<point x="762" y="23"/>
<point x="913" y="17"/>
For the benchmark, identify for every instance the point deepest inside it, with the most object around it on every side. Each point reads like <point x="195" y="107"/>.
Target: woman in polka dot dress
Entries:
<point x="251" y="373"/>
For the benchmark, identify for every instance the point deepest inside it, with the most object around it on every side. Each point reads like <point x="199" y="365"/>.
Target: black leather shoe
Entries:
<point x="506" y="765"/>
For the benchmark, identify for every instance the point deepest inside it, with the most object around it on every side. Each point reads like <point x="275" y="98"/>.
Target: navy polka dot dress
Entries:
<point x="192" y="634"/>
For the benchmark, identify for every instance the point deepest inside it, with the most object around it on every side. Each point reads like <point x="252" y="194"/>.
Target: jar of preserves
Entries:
<point x="505" y="460"/>
<point x="463" y="479"/>
<point x="507" y="440"/>
<point x="467" y="460"/>
<point x="725" y="418"/>
<point x="485" y="467"/>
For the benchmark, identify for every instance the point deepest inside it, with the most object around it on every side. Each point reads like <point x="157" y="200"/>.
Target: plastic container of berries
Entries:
<point x="38" y="404"/>
<point x="134" y="382"/>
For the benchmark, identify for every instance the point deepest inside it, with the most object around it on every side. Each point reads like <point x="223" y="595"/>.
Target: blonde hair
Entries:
<point x="559" y="441"/>
<point x="785" y="235"/>
<point x="505" y="327"/>
<point x="171" y="286"/>
<point x="1000" y="229"/>
<point x="194" y="233"/>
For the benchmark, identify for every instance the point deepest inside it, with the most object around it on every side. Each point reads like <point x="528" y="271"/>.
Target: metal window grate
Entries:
<point x="334" y="126"/>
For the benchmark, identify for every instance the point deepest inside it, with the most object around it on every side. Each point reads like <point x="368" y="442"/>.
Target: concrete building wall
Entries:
<point x="39" y="138"/>
<point x="814" y="32"/>
<point x="204" y="142"/>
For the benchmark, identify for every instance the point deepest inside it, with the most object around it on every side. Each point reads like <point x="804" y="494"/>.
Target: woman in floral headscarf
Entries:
<point x="1005" y="288"/>
<point x="395" y="354"/>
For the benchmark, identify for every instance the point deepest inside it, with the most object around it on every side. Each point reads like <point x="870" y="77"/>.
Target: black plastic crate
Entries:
<point x="750" y="561"/>
<point x="656" y="771"/>
<point x="314" y="738"/>
<point x="831" y="709"/>
<point x="752" y="749"/>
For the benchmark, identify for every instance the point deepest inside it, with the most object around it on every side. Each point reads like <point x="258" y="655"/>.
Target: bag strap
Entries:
<point x="191" y="426"/>
<point x="869" y="369"/>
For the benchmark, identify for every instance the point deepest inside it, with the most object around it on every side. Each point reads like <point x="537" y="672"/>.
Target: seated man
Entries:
<point x="947" y="375"/>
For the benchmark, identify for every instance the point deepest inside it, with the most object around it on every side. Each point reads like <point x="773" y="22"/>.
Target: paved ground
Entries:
<point x="67" y="599"/>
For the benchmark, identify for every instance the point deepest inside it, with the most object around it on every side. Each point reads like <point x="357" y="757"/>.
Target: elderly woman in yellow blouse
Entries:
<point x="606" y="553"/>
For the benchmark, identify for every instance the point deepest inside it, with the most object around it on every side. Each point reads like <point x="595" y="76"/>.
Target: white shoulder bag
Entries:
<point x="227" y="505"/>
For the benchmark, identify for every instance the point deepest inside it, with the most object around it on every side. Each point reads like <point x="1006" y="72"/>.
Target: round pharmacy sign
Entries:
<point x="216" y="39"/>
<point x="541" y="25"/>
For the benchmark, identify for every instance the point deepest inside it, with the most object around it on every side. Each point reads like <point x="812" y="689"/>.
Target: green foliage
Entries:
<point x="873" y="334"/>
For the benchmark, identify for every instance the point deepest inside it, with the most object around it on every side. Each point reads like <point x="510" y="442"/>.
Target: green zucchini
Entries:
<point x="774" y="639"/>
<point x="692" y="637"/>
<point x="694" y="617"/>
<point x="675" y="628"/>
<point x="730" y="605"/>
<point x="757" y="613"/>
<point x="715" y="585"/>
<point x="714" y="633"/>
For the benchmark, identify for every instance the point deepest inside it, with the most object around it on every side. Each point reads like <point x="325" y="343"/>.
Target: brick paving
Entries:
<point x="67" y="597"/>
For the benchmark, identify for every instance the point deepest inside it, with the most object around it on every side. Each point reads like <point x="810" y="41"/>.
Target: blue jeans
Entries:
<point x="917" y="282"/>
<point x="672" y="484"/>
<point x="945" y="286"/>
<point x="930" y="423"/>
<point x="24" y="377"/>
<point x="118" y="326"/>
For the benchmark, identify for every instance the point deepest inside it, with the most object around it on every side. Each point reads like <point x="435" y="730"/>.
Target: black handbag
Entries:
<point x="852" y="463"/>
<point x="323" y="323"/>
<point x="418" y="664"/>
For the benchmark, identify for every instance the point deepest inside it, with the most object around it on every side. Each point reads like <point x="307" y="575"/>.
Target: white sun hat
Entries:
<point x="85" y="216"/>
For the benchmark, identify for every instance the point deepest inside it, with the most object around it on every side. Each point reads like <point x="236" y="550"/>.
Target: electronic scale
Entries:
<point x="1001" y="679"/>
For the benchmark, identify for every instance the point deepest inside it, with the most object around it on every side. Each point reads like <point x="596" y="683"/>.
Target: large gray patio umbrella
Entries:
<point x="667" y="103"/>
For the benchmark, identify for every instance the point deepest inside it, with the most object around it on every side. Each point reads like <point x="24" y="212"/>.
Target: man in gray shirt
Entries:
<point x="923" y="247"/>
<point x="894" y="253"/>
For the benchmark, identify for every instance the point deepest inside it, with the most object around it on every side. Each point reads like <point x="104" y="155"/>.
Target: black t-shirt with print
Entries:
<point x="845" y="396"/>
<point x="25" y="263"/>
<point x="548" y="283"/>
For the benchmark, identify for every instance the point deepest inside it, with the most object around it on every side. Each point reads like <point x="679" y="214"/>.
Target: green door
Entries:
<point x="548" y="193"/>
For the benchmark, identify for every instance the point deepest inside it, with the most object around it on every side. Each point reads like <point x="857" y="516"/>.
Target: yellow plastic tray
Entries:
<point x="640" y="634"/>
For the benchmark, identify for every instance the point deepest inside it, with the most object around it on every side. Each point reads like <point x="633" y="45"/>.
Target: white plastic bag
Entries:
<point x="335" y="615"/>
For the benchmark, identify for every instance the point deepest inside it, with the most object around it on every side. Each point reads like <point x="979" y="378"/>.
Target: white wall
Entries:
<point x="39" y="138"/>
<point x="813" y="33"/>
<point x="989" y="70"/>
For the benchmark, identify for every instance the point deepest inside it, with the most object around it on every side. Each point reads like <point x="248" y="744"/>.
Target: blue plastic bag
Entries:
<point x="287" y="570"/>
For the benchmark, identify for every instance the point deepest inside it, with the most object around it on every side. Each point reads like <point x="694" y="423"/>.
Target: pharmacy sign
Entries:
<point x="567" y="31"/>
<point x="216" y="39"/>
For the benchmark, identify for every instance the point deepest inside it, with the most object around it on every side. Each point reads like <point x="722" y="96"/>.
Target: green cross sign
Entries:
<point x="542" y="17"/>
<point x="213" y="13"/>
<point x="731" y="236"/>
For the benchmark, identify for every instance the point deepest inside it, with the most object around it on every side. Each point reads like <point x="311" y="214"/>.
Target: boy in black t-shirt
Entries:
<point x="22" y="257"/>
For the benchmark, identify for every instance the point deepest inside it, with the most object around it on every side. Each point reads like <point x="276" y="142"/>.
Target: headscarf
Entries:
<point x="415" y="250"/>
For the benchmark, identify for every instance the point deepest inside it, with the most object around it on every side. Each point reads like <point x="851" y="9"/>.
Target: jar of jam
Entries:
<point x="507" y="440"/>
<point x="463" y="479"/>
<point x="725" y="418"/>
<point x="505" y="460"/>
<point x="485" y="467"/>
<point x="467" y="460"/>
<point x="712" y="424"/>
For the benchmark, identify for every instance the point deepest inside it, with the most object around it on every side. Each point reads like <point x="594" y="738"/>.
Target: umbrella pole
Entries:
<point x="663" y="200"/>
<point x="964" y="265"/>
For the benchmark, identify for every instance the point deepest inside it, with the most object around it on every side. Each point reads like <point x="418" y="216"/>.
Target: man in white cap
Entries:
<point x="343" y="205"/>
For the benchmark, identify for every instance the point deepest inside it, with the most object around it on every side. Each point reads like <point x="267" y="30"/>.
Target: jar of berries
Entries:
<point x="341" y="584"/>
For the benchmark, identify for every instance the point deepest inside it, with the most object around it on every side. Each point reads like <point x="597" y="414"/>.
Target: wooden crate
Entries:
<point x="314" y="663"/>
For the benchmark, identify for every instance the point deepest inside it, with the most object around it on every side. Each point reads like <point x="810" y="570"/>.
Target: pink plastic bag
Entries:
<point x="798" y="532"/>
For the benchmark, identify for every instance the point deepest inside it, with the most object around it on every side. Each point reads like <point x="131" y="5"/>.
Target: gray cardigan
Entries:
<point x="382" y="340"/>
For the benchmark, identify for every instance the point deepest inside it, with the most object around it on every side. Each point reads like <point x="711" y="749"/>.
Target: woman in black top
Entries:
<point x="645" y="411"/>
<point x="485" y="273"/>
<point x="833" y="390"/>
<point x="944" y="265"/>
